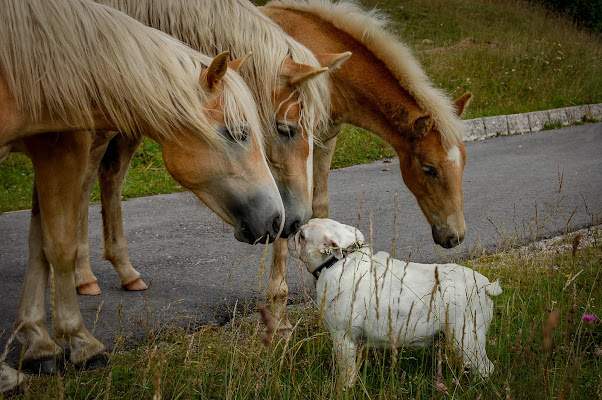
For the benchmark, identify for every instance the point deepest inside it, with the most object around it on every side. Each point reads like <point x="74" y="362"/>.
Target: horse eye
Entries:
<point x="429" y="170"/>
<point x="243" y="132"/>
<point x="236" y="134"/>
<point x="286" y="130"/>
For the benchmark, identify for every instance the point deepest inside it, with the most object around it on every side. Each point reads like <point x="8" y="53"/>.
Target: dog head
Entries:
<point x="320" y="239"/>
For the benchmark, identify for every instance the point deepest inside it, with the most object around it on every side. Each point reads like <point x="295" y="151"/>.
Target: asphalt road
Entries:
<point x="514" y="186"/>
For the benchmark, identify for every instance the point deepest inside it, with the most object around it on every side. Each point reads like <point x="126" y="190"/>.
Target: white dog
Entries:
<point x="386" y="302"/>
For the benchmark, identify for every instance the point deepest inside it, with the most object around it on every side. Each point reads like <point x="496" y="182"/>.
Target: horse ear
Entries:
<point x="295" y="73"/>
<point x="462" y="102"/>
<point x="422" y="125"/>
<point x="238" y="63"/>
<point x="333" y="61"/>
<point x="216" y="71"/>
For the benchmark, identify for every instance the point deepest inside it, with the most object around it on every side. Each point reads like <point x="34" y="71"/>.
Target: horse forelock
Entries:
<point x="213" y="26"/>
<point x="238" y="106"/>
<point x="370" y="28"/>
<point x="84" y="56"/>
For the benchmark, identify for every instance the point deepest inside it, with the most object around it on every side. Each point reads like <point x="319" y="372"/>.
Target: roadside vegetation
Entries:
<point x="546" y="335"/>
<point x="545" y="341"/>
<point x="513" y="55"/>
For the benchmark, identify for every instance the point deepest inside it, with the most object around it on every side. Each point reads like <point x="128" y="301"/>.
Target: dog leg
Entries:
<point x="470" y="346"/>
<point x="9" y="378"/>
<point x="346" y="354"/>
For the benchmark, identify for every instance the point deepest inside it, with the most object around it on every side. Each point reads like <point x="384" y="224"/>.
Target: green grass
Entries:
<point x="147" y="176"/>
<point x="514" y="56"/>
<point x="231" y="362"/>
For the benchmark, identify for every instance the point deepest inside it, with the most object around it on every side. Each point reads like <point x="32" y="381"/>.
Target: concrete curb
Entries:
<point x="482" y="128"/>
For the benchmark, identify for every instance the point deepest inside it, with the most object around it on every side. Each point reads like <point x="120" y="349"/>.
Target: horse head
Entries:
<point x="290" y="150"/>
<point x="229" y="174"/>
<point x="433" y="173"/>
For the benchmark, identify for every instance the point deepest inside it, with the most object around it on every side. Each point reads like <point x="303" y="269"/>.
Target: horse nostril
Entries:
<point x="295" y="226"/>
<point x="276" y="223"/>
<point x="446" y="238"/>
<point x="453" y="241"/>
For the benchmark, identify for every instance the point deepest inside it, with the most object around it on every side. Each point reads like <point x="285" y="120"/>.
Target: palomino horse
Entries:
<point x="138" y="81"/>
<point x="383" y="89"/>
<point x="288" y="84"/>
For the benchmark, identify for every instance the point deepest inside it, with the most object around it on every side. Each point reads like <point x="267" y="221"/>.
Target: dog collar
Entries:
<point x="333" y="260"/>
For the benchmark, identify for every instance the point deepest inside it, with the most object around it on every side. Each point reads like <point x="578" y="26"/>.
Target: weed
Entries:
<point x="552" y="125"/>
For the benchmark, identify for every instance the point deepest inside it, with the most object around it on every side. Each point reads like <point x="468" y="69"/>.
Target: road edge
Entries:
<point x="486" y="127"/>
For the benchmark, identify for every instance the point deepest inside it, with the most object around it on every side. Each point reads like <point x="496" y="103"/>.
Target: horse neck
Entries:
<point x="376" y="102"/>
<point x="364" y="92"/>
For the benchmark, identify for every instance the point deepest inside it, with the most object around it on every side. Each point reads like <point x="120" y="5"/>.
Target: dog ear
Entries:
<point x="359" y="237"/>
<point x="336" y="250"/>
<point x="331" y="247"/>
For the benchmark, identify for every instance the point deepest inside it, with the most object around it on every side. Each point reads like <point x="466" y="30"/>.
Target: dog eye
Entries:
<point x="301" y="236"/>
<point x="429" y="171"/>
<point x="287" y="130"/>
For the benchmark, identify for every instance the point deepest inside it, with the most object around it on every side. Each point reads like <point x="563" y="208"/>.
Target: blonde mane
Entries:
<point x="71" y="57"/>
<point x="369" y="28"/>
<point x="212" y="26"/>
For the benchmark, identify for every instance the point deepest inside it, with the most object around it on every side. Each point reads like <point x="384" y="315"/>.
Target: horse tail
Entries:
<point x="494" y="289"/>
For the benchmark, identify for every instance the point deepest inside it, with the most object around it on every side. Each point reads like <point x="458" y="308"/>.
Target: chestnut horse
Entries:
<point x="288" y="84"/>
<point x="137" y="80"/>
<point x="383" y="89"/>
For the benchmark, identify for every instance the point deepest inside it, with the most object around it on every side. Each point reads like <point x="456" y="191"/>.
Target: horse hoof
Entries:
<point x="89" y="289"/>
<point x="138" y="284"/>
<point x="46" y="366"/>
<point x="96" y="362"/>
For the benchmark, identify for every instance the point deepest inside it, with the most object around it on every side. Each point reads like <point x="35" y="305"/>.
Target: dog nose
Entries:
<point x="291" y="243"/>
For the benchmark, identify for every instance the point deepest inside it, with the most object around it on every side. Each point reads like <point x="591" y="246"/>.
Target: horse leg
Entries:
<point x="322" y="160"/>
<point x="59" y="163"/>
<point x="112" y="173"/>
<point x="42" y="354"/>
<point x="277" y="288"/>
<point x="4" y="152"/>
<point x="85" y="281"/>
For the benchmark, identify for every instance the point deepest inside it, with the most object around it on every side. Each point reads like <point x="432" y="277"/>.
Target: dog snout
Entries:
<point x="291" y="243"/>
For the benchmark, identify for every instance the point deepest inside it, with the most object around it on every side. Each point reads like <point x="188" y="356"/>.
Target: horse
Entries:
<point x="289" y="86"/>
<point x="73" y="69"/>
<point x="383" y="89"/>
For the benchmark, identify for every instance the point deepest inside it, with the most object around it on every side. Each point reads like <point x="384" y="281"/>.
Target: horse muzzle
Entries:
<point x="258" y="219"/>
<point x="253" y="232"/>
<point x="451" y="234"/>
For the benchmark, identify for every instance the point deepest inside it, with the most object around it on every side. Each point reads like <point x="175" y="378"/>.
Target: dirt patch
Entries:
<point x="462" y="45"/>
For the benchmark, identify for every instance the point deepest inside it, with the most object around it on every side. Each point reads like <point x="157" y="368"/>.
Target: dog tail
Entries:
<point x="493" y="289"/>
